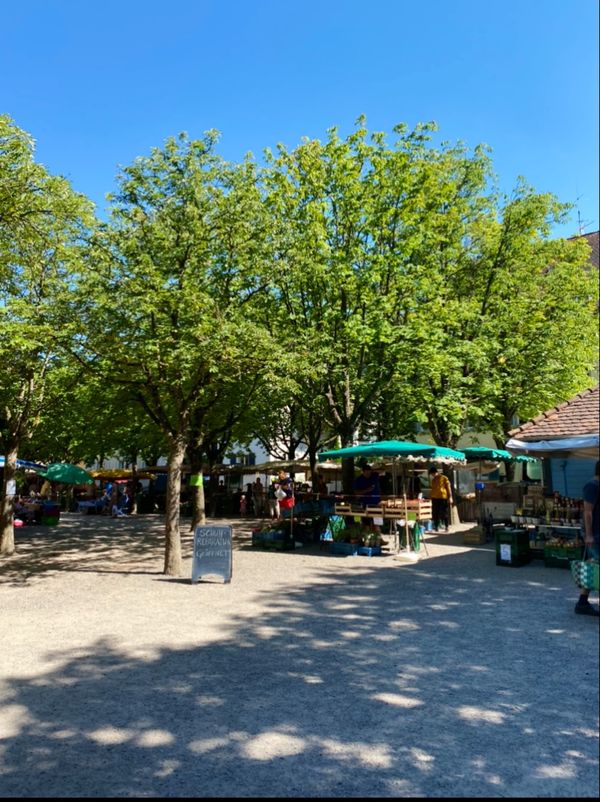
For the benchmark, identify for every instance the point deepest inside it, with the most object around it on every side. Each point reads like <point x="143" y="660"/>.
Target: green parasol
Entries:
<point x="401" y="449"/>
<point x="67" y="473"/>
<point x="484" y="453"/>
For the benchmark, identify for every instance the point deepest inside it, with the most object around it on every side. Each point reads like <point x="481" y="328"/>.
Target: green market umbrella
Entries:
<point x="498" y="454"/>
<point x="400" y="451"/>
<point x="67" y="473"/>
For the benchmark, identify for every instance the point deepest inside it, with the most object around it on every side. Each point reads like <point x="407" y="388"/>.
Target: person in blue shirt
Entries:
<point x="366" y="487"/>
<point x="591" y="524"/>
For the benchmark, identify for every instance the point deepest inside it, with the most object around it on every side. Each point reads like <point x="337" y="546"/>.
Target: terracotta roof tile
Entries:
<point x="580" y="415"/>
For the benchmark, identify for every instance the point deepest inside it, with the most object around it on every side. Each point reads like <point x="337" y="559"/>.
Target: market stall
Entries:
<point x="402" y="516"/>
<point x="553" y="521"/>
<point x="482" y="458"/>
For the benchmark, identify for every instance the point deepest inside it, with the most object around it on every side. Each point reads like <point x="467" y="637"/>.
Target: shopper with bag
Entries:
<point x="591" y="523"/>
<point x="285" y="491"/>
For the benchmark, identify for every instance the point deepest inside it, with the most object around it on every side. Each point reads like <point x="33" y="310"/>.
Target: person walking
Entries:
<point x="441" y="499"/>
<point x="591" y="528"/>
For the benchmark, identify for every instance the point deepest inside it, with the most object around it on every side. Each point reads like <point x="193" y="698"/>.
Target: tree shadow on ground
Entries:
<point x="443" y="678"/>
<point x="97" y="543"/>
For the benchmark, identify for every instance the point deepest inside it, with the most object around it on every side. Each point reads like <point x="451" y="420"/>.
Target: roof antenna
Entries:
<point x="581" y="224"/>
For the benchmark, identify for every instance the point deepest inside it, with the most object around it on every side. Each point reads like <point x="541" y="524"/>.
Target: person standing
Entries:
<point x="591" y="528"/>
<point x="441" y="499"/>
<point x="367" y="488"/>
<point x="258" y="495"/>
<point x="322" y="488"/>
<point x="286" y="484"/>
<point x="250" y="499"/>
<point x="273" y="501"/>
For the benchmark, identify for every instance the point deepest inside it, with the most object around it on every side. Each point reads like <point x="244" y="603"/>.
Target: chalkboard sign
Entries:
<point x="212" y="552"/>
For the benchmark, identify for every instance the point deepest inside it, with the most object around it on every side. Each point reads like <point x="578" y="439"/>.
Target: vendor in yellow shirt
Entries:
<point x="441" y="499"/>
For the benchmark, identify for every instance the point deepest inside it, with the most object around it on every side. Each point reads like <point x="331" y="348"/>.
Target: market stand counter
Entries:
<point x="392" y="509"/>
<point x="556" y="544"/>
<point x="412" y="514"/>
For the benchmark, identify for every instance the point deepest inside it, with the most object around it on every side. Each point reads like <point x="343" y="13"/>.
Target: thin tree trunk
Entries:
<point x="199" y="505"/>
<point x="348" y="475"/>
<point x="134" y="491"/>
<point x="197" y="494"/>
<point x="7" y="532"/>
<point x="173" y="562"/>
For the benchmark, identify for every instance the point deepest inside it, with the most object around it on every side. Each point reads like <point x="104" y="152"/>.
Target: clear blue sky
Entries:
<point x="97" y="84"/>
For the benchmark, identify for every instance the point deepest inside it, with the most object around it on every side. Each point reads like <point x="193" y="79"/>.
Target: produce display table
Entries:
<point x="561" y="544"/>
<point x="556" y="544"/>
<point x="390" y="510"/>
<point x="410" y="513"/>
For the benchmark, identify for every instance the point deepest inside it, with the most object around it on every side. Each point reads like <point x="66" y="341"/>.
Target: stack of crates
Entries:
<point x="474" y="537"/>
<point x="561" y="556"/>
<point x="512" y="547"/>
<point x="273" y="539"/>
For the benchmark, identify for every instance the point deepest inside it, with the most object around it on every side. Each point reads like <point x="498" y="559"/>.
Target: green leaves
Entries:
<point x="349" y="287"/>
<point x="42" y="228"/>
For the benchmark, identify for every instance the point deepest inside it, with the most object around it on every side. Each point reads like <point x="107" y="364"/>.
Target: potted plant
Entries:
<point x="354" y="534"/>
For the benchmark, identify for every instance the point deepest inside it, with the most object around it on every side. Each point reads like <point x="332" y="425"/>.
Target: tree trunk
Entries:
<point x="7" y="532"/>
<point x="213" y="489"/>
<point x="173" y="561"/>
<point x="199" y="505"/>
<point x="134" y="490"/>
<point x="197" y="494"/>
<point x="348" y="475"/>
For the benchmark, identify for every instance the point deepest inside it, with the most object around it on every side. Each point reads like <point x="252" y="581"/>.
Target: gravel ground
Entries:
<point x="309" y="675"/>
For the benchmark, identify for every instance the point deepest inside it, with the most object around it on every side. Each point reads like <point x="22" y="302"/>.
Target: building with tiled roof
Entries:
<point x="576" y="417"/>
<point x="568" y="436"/>
<point x="593" y="242"/>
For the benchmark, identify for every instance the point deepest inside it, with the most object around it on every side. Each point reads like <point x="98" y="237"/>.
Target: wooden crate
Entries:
<point x="474" y="538"/>
<point x="416" y="509"/>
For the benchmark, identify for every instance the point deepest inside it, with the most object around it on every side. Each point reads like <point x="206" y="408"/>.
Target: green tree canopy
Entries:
<point x="43" y="225"/>
<point x="169" y="296"/>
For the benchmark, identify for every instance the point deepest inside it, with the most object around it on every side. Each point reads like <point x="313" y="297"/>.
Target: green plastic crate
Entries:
<point x="273" y="539"/>
<point x="512" y="547"/>
<point x="561" y="556"/>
